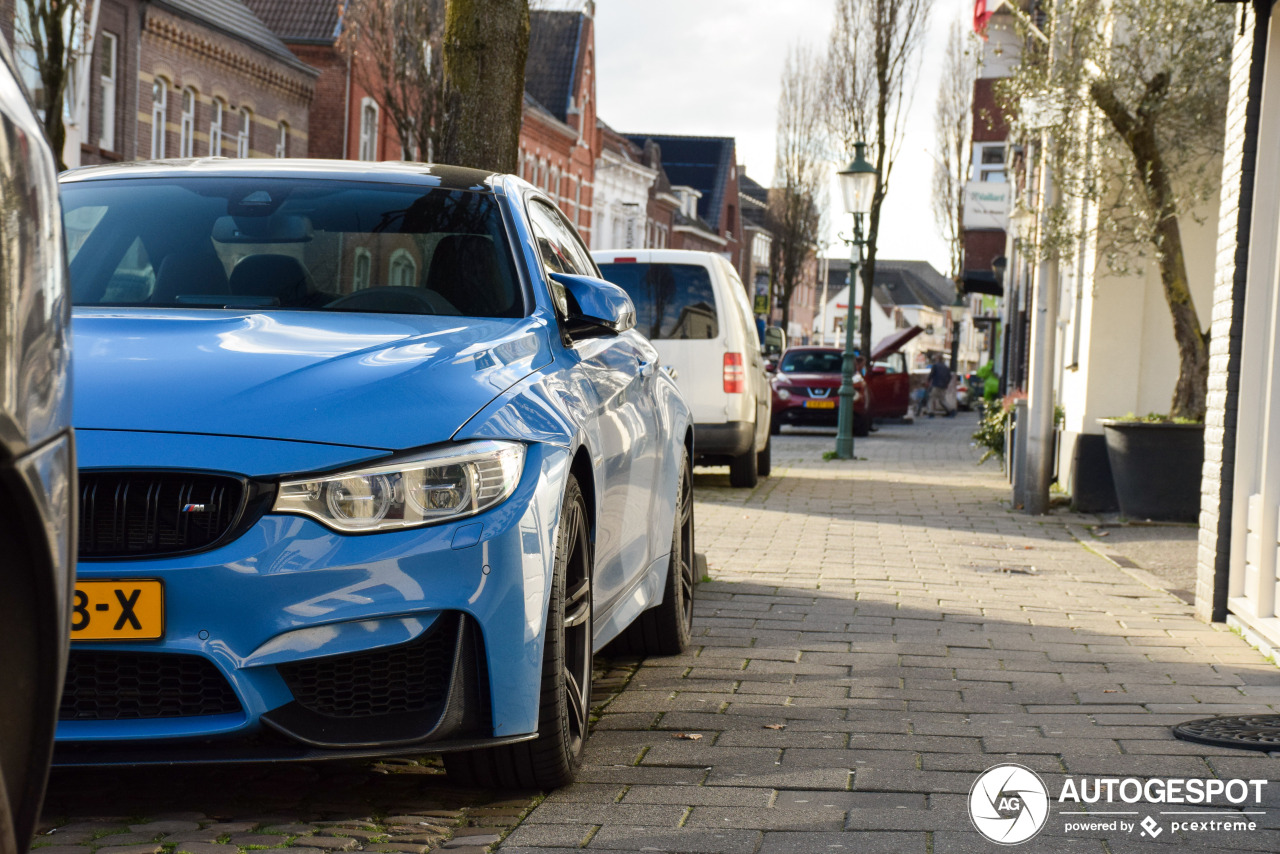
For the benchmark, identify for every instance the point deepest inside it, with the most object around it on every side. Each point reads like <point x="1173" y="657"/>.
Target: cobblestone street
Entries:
<point x="873" y="635"/>
<point x="877" y="633"/>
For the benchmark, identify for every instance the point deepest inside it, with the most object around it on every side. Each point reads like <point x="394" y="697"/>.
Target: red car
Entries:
<point x="804" y="390"/>
<point x="806" y="381"/>
<point x="888" y="382"/>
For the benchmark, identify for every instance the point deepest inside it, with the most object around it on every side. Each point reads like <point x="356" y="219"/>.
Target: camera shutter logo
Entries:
<point x="1009" y="804"/>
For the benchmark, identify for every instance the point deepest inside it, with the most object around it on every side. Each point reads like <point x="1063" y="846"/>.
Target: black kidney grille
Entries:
<point x="140" y="514"/>
<point x="109" y="686"/>
<point x="411" y="677"/>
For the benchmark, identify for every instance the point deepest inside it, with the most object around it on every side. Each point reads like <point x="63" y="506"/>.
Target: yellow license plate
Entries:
<point x="129" y="609"/>
<point x="820" y="404"/>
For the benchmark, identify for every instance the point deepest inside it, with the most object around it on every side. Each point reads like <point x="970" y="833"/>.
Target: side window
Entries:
<point x="559" y="249"/>
<point x="574" y="245"/>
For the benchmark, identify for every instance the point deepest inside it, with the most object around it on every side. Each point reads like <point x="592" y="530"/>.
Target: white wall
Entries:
<point x="621" y="191"/>
<point x="1128" y="359"/>
<point x="881" y="325"/>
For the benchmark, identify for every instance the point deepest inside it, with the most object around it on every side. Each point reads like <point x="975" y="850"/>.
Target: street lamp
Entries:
<point x="857" y="185"/>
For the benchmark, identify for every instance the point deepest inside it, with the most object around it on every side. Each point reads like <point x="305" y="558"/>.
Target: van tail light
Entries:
<point x="735" y="375"/>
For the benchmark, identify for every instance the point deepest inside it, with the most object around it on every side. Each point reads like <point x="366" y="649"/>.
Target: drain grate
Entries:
<point x="1249" y="732"/>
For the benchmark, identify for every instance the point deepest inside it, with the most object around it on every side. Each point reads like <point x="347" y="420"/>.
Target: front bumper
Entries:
<point x="337" y="645"/>
<point x="794" y="411"/>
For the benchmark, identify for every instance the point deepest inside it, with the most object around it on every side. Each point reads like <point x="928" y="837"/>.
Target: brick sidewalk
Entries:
<point x="876" y="634"/>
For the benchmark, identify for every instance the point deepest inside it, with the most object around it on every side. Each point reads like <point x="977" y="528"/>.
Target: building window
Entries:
<point x="159" y="116"/>
<point x="246" y="125"/>
<point x="403" y="271"/>
<point x="107" y="90"/>
<point x="553" y="187"/>
<point x="187" y="130"/>
<point x="215" y="128"/>
<point x="368" y="129"/>
<point x="988" y="162"/>
<point x="282" y="141"/>
<point x="361" y="270"/>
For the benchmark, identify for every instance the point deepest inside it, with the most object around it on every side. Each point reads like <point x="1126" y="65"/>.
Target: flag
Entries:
<point x="980" y="17"/>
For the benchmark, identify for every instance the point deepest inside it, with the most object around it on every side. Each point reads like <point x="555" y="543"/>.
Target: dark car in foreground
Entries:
<point x="37" y="461"/>
<point x="372" y="462"/>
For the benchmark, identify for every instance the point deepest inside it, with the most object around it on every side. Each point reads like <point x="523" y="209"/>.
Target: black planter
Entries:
<point x="1156" y="468"/>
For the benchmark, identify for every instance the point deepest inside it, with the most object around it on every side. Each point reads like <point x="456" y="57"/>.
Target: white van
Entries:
<point x="694" y="309"/>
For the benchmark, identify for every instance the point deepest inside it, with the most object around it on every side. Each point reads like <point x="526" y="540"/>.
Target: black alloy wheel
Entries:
<point x="564" y="712"/>
<point x="667" y="628"/>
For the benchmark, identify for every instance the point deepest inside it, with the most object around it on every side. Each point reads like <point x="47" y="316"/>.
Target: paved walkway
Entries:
<point x="875" y="634"/>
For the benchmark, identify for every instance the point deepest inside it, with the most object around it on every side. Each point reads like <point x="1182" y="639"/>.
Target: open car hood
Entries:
<point x="894" y="342"/>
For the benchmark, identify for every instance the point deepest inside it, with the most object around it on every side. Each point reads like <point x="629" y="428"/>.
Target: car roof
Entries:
<point x="399" y="172"/>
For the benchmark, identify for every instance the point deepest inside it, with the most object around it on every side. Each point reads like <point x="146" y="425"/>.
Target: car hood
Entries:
<point x="893" y="342"/>
<point x="367" y="380"/>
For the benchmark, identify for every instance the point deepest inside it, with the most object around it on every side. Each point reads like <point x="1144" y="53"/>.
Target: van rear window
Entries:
<point x="673" y="301"/>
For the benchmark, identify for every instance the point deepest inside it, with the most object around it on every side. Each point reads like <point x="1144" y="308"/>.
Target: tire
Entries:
<point x="744" y="471"/>
<point x="861" y="424"/>
<point x="764" y="459"/>
<point x="552" y="760"/>
<point x="665" y="629"/>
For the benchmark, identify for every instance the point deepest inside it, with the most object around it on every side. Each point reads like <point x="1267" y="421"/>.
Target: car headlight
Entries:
<point x="784" y="394"/>
<point x="429" y="488"/>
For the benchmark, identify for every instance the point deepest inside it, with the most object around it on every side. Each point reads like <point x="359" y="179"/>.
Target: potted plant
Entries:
<point x="1155" y="464"/>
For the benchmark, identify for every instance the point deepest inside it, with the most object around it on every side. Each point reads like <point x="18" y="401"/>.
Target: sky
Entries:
<point x="712" y="67"/>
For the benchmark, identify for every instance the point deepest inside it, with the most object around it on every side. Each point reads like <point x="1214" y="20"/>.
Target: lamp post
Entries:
<point x="857" y="185"/>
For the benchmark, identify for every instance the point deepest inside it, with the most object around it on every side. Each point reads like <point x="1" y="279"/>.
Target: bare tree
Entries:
<point x="799" y="175"/>
<point x="952" y="128"/>
<point x="46" y="32"/>
<point x="872" y="60"/>
<point x="1156" y="73"/>
<point x="394" y="48"/>
<point x="486" y="43"/>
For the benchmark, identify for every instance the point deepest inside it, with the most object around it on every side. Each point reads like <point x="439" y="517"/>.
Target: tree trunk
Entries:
<point x="52" y="60"/>
<point x="486" y="43"/>
<point x="1190" y="393"/>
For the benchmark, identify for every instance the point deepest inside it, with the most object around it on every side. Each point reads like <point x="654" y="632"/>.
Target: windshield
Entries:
<point x="811" y="362"/>
<point x="332" y="245"/>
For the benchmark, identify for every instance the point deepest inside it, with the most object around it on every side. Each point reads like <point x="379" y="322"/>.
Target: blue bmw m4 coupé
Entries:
<point x="371" y="462"/>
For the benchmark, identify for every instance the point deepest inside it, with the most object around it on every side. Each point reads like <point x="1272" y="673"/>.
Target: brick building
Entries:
<point x="181" y="78"/>
<point x="560" y="140"/>
<point x="1238" y="577"/>
<point x="757" y="240"/>
<point x="347" y="121"/>
<point x="214" y="80"/>
<point x="703" y="171"/>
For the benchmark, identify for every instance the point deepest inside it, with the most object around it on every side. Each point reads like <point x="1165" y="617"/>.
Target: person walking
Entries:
<point x="939" y="380"/>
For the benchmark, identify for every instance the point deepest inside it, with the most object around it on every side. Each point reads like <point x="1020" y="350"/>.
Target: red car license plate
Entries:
<point x="820" y="404"/>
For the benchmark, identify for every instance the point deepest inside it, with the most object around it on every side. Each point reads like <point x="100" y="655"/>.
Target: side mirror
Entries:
<point x="596" y="307"/>
<point x="771" y="366"/>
